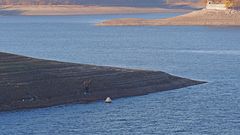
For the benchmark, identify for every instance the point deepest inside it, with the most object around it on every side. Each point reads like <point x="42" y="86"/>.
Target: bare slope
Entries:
<point x="80" y="7"/>
<point x="142" y="3"/>
<point x="29" y="83"/>
<point x="131" y="3"/>
<point x="202" y="17"/>
<point x="77" y="10"/>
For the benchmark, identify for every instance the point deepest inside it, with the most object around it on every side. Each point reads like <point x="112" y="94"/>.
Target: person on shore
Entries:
<point x="86" y="85"/>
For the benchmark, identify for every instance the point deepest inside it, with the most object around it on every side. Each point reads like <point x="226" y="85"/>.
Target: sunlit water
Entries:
<point x="211" y="54"/>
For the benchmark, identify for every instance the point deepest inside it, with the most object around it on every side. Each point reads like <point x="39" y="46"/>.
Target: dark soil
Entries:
<point x="32" y="83"/>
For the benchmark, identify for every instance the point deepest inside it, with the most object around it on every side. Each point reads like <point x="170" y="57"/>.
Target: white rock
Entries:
<point x="108" y="100"/>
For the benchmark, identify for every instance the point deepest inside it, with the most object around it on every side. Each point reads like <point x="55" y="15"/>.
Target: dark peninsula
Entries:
<point x="32" y="83"/>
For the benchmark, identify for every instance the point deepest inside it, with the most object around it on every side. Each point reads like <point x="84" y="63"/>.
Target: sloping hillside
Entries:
<point x="87" y="2"/>
<point x="132" y="3"/>
<point x="29" y="83"/>
<point x="80" y="7"/>
<point x="203" y="17"/>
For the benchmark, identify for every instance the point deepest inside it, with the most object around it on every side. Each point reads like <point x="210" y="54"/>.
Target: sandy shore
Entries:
<point x="202" y="18"/>
<point x="32" y="83"/>
<point x="78" y="10"/>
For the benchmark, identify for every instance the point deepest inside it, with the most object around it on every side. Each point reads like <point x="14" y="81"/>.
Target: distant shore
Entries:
<point x="202" y="17"/>
<point x="35" y="10"/>
<point x="27" y="82"/>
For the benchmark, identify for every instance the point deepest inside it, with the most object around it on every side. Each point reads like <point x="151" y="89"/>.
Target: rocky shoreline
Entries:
<point x="27" y="82"/>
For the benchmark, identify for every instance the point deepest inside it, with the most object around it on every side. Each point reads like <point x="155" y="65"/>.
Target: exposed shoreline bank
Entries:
<point x="35" y="10"/>
<point x="34" y="83"/>
<point x="196" y="18"/>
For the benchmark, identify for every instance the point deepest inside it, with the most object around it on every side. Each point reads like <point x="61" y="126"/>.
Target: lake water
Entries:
<point x="211" y="54"/>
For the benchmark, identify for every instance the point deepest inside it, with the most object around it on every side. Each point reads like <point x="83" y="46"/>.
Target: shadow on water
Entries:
<point x="5" y="12"/>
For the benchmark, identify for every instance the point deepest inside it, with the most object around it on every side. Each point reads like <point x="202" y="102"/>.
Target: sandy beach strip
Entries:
<point x="78" y="10"/>
<point x="202" y="17"/>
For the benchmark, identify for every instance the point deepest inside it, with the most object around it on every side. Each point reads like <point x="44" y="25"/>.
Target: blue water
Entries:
<point x="211" y="54"/>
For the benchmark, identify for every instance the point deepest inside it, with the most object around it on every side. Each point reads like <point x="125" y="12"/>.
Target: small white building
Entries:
<point x="216" y="4"/>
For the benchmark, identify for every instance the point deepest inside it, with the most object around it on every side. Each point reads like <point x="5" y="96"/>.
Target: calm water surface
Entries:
<point x="211" y="54"/>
